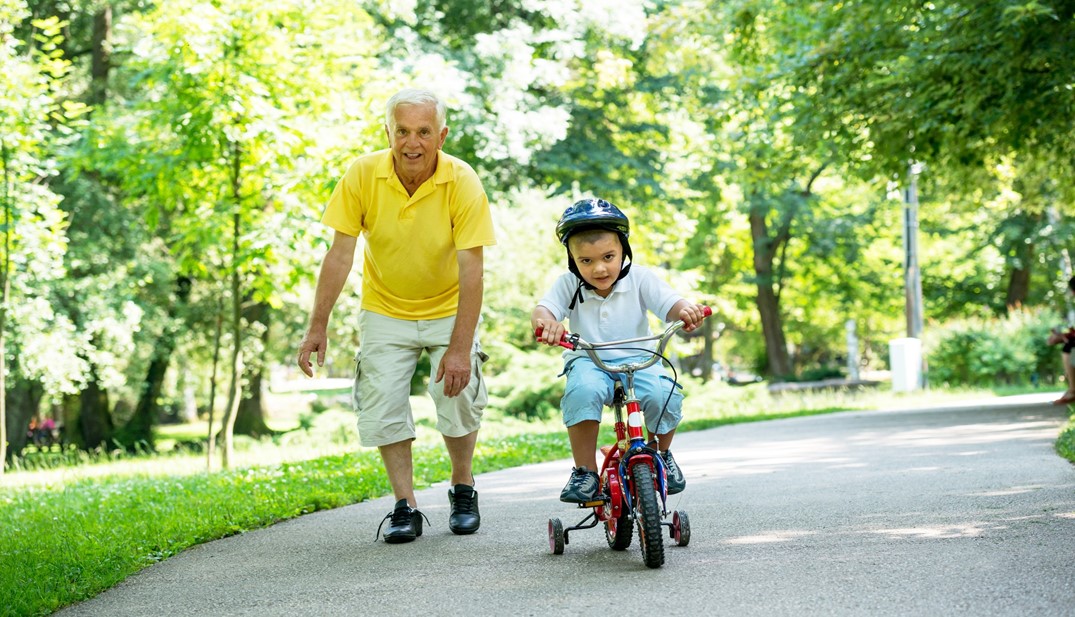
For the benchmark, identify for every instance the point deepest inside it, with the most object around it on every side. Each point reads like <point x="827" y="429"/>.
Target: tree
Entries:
<point x="213" y="138"/>
<point x="32" y="224"/>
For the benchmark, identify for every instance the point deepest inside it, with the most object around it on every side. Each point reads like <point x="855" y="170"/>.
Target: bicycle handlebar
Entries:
<point x="574" y="341"/>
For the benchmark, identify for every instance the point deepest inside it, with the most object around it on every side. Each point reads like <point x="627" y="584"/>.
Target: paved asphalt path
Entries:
<point x="965" y="510"/>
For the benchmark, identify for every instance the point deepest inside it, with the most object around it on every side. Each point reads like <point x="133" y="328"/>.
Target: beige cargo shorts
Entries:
<point x="388" y="355"/>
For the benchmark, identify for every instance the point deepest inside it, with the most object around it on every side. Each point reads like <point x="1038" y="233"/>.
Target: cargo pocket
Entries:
<point x="481" y="395"/>
<point x="356" y="399"/>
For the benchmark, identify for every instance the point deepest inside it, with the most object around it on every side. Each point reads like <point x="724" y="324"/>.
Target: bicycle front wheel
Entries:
<point x="647" y="514"/>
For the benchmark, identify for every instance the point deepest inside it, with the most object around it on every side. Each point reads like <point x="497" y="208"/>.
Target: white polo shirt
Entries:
<point x="622" y="315"/>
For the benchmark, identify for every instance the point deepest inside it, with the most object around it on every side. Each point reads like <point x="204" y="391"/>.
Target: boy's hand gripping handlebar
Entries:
<point x="574" y="341"/>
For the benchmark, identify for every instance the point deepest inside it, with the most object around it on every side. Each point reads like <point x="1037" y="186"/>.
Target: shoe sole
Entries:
<point x="463" y="531"/>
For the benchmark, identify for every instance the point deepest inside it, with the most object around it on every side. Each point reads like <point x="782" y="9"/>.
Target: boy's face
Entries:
<point x="599" y="259"/>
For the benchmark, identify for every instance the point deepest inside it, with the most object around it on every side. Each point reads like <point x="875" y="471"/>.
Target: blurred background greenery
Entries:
<point x="164" y="167"/>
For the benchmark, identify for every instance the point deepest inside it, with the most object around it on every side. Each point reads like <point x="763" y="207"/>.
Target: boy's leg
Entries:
<point x="663" y="414"/>
<point x="664" y="441"/>
<point x="584" y="484"/>
<point x="583" y="437"/>
<point x="587" y="391"/>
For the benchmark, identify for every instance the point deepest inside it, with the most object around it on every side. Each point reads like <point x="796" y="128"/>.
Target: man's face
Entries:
<point x="415" y="141"/>
<point x="599" y="260"/>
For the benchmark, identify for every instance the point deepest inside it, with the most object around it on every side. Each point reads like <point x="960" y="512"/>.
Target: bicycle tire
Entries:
<point x="647" y="515"/>
<point x="619" y="531"/>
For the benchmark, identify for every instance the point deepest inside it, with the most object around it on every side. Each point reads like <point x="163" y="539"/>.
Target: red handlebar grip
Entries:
<point x="706" y="311"/>
<point x="563" y="340"/>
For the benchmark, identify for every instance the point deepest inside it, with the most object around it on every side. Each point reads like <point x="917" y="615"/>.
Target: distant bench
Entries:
<point x="824" y="384"/>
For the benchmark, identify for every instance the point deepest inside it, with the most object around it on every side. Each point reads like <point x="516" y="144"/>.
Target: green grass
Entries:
<point x="68" y="534"/>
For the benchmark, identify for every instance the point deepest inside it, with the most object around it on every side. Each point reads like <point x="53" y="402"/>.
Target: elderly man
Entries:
<point x="425" y="219"/>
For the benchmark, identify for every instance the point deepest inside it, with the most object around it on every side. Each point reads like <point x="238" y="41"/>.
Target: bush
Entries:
<point x="527" y="386"/>
<point x="988" y="352"/>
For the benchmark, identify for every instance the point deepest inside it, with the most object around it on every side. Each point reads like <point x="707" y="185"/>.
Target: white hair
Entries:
<point x="414" y="96"/>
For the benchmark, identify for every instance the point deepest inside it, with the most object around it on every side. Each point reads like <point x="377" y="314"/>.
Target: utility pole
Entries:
<point x="912" y="277"/>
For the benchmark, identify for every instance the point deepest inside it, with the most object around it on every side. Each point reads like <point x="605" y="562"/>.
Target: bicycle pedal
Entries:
<point x="592" y="504"/>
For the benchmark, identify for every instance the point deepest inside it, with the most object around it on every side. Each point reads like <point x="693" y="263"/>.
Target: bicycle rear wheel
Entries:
<point x="647" y="515"/>
<point x="618" y="531"/>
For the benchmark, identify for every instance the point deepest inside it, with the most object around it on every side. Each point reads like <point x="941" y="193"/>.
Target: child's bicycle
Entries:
<point x="633" y="491"/>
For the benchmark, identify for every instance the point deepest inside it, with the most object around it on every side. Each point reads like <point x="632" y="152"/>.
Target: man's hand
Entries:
<point x="315" y="341"/>
<point x="454" y="369"/>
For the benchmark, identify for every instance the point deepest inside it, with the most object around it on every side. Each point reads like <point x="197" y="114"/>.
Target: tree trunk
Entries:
<point x="94" y="419"/>
<point x="140" y="427"/>
<point x="765" y="249"/>
<point x="23" y="401"/>
<point x="250" y="418"/>
<point x="210" y="444"/>
<point x="235" y="391"/>
<point x="5" y="288"/>
<point x="1019" y="283"/>
<point x="101" y="61"/>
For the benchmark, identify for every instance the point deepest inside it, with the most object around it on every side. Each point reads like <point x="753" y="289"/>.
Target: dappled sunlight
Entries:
<point x="1015" y="490"/>
<point x="965" y="434"/>
<point x="767" y="456"/>
<point x="938" y="532"/>
<point x="770" y="537"/>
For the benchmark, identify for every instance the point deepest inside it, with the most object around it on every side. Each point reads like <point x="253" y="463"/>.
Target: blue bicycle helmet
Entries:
<point x="590" y="214"/>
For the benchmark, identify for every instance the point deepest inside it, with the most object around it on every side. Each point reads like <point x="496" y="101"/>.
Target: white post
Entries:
<point x="912" y="277"/>
<point x="852" y="351"/>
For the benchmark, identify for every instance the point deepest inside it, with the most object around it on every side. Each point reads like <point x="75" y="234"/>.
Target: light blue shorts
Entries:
<point x="589" y="390"/>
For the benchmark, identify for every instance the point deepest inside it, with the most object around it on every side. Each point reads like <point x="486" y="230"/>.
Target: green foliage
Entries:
<point x="527" y="385"/>
<point x="1065" y="443"/>
<point x="991" y="351"/>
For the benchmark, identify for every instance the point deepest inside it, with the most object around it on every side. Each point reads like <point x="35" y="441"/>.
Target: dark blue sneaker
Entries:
<point x="582" y="487"/>
<point x="676" y="481"/>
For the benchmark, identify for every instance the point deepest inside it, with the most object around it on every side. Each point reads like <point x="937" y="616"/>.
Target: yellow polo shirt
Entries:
<point x="410" y="269"/>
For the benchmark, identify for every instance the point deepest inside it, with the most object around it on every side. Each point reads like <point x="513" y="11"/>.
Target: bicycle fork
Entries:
<point x="631" y="441"/>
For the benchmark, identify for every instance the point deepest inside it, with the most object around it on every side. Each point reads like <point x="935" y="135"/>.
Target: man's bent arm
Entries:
<point x="334" y="272"/>
<point x="456" y="363"/>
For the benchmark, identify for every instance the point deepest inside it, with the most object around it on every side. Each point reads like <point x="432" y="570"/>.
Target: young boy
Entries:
<point x="607" y="300"/>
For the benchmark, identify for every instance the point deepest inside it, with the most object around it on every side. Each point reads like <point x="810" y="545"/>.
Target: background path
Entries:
<point x="964" y="510"/>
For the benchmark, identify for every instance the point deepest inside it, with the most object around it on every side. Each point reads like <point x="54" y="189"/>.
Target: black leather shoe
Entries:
<point x="464" y="518"/>
<point x="405" y="524"/>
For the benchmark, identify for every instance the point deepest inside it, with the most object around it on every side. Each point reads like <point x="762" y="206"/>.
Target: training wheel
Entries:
<point x="556" y="536"/>
<point x="681" y="528"/>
